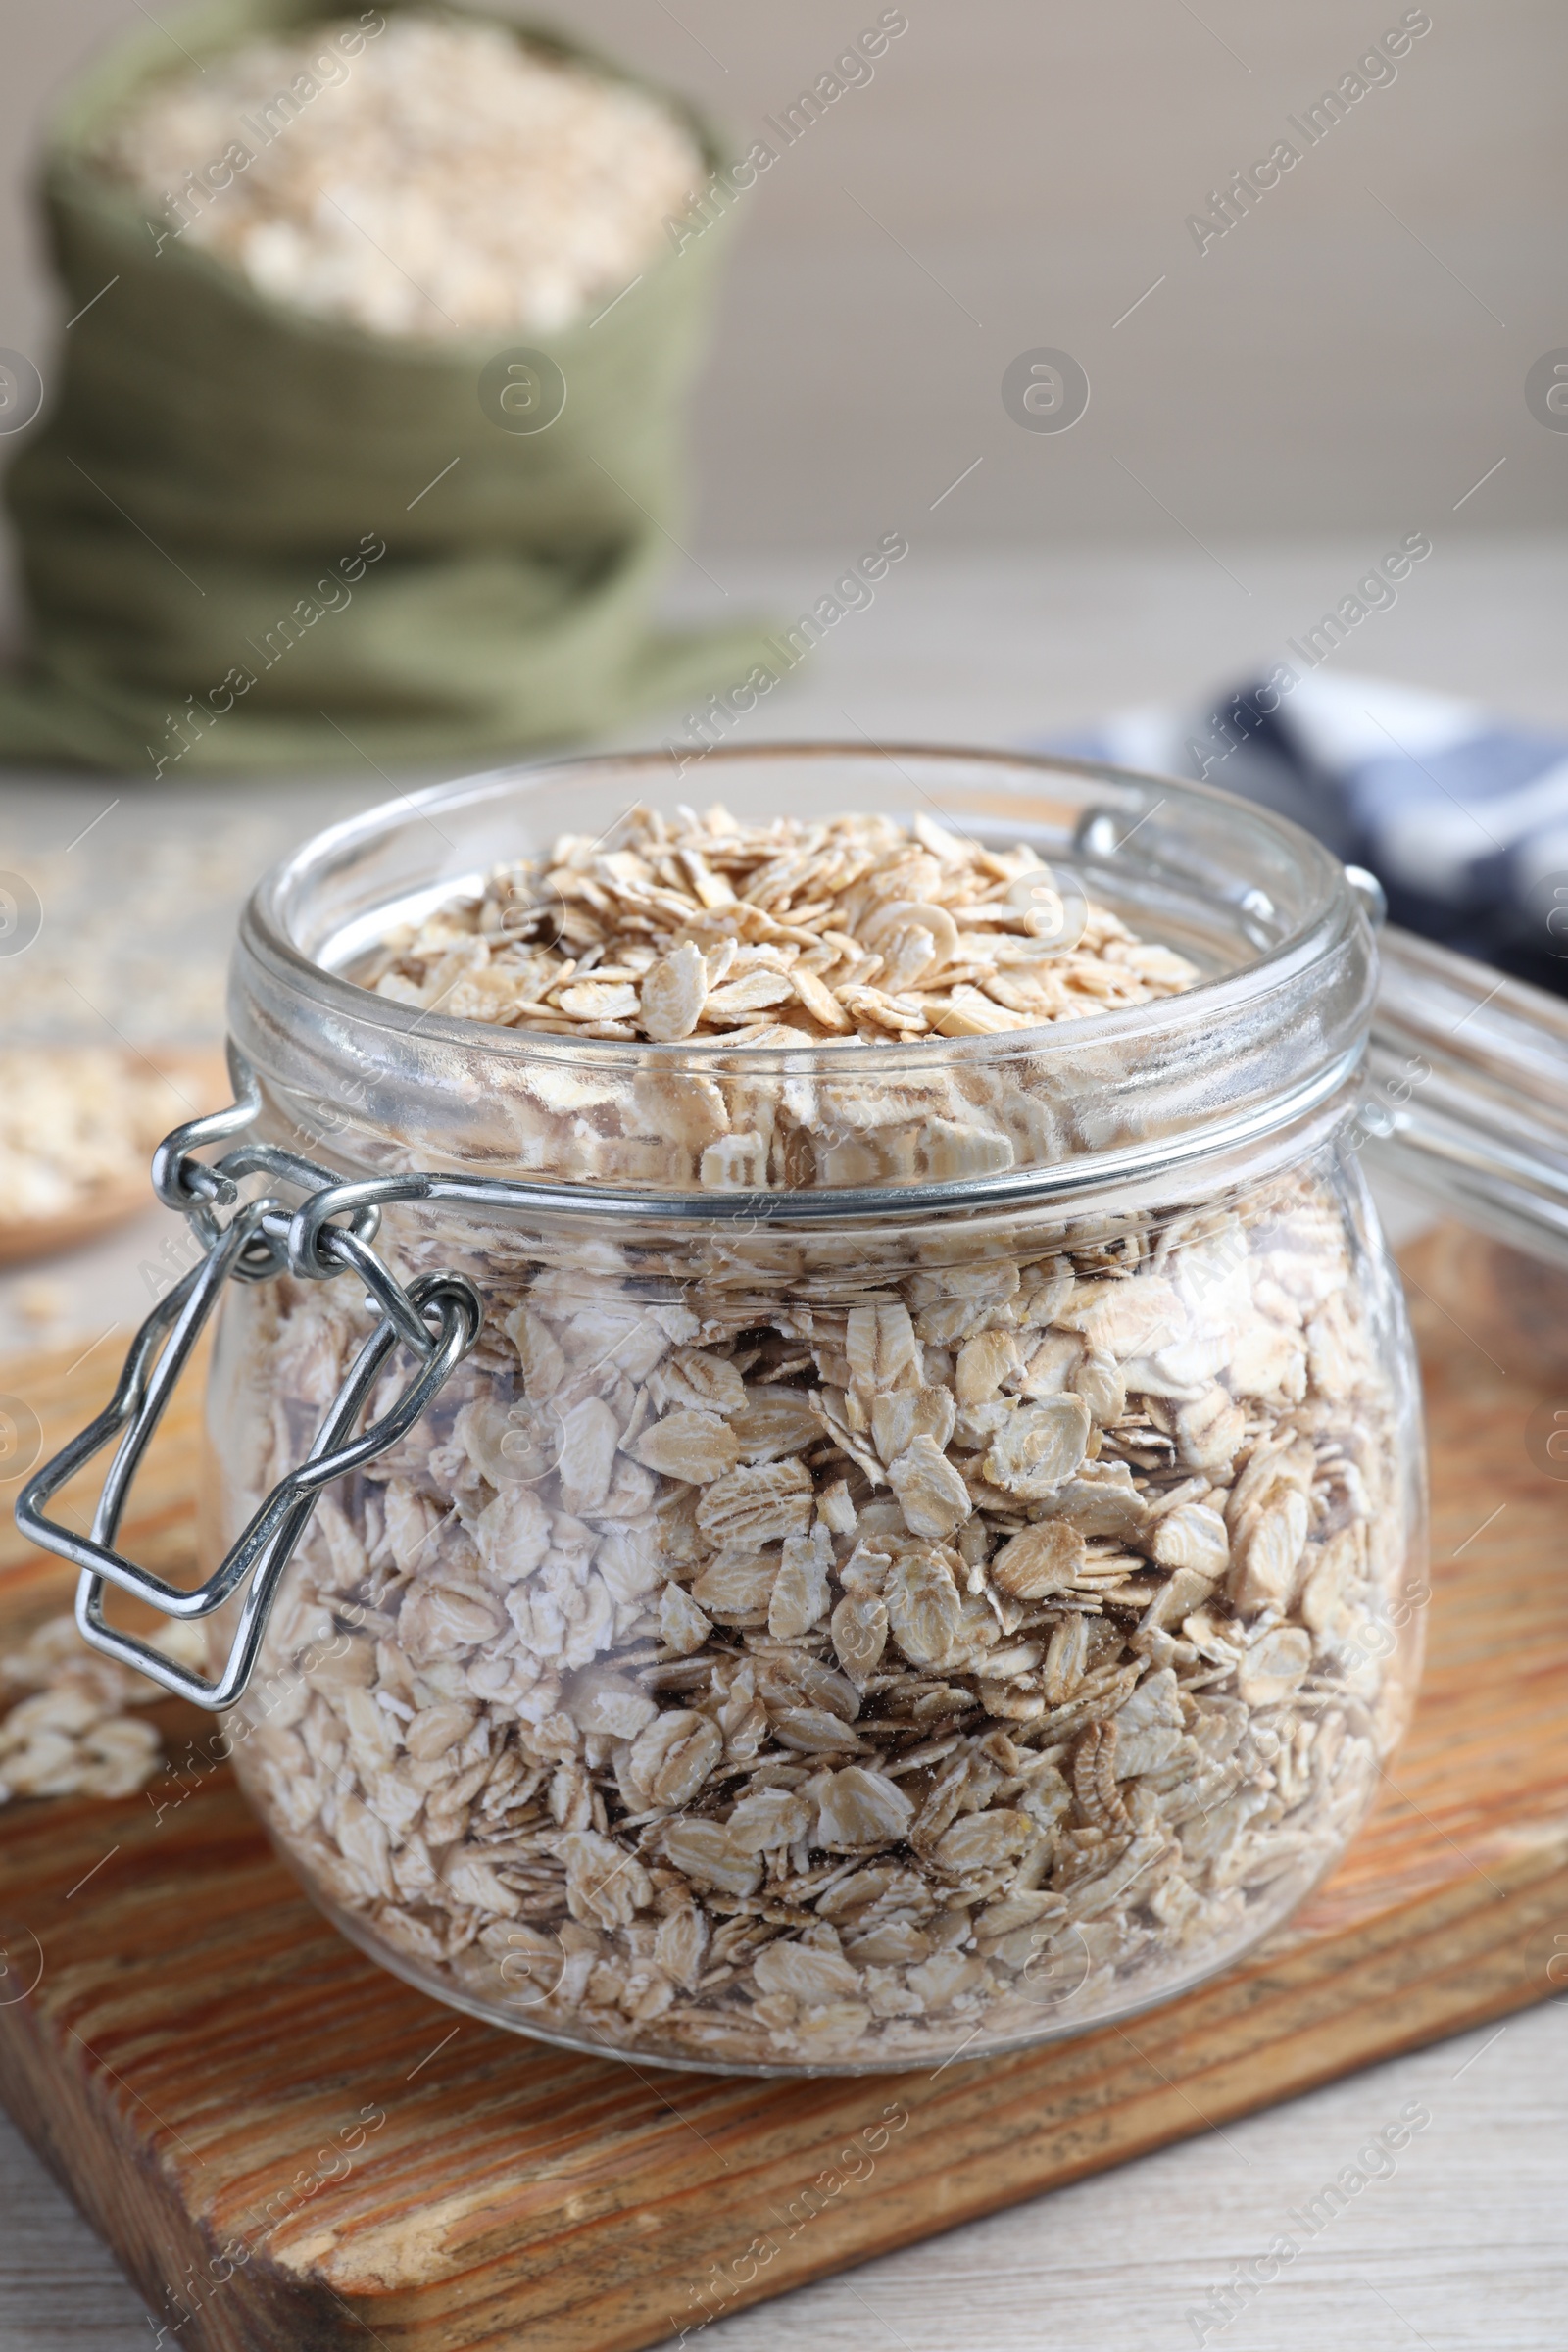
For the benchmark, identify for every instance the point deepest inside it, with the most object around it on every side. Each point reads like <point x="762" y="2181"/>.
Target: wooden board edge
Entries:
<point x="136" y="2208"/>
<point x="1433" y="1969"/>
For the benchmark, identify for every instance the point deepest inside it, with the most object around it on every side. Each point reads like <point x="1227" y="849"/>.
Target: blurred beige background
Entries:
<point x="1350" y="356"/>
<point x="1347" y="363"/>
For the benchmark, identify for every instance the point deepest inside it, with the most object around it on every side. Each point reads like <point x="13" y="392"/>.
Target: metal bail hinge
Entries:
<point x="437" y="1318"/>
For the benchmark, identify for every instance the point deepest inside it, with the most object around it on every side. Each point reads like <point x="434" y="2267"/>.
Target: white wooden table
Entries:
<point x="1464" y="2248"/>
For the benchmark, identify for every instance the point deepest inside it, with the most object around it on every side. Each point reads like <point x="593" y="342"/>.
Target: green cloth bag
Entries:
<point x="256" y="541"/>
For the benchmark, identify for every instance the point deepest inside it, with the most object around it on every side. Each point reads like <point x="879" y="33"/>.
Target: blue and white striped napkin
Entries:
<point x="1463" y="820"/>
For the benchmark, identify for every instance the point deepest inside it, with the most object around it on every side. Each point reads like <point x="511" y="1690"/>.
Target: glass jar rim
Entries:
<point x="1278" y="1020"/>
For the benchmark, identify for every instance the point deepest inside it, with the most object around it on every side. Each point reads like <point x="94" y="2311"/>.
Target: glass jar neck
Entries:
<point x="1264" y="1040"/>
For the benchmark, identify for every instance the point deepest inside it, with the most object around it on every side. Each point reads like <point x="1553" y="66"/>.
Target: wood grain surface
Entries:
<point x="284" y="2144"/>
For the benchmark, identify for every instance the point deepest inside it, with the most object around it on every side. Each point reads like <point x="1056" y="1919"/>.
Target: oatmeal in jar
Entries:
<point x="837" y="1613"/>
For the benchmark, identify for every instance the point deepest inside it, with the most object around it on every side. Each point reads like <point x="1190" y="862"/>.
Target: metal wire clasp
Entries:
<point x="436" y="1318"/>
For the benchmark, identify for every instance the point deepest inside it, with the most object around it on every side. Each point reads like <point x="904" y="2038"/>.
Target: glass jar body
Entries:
<point x="827" y="1646"/>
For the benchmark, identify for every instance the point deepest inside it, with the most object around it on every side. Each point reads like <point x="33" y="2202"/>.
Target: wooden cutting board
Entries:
<point x="286" y="2146"/>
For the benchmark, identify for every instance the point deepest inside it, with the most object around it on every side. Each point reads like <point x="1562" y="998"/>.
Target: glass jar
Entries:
<point x="925" y="1553"/>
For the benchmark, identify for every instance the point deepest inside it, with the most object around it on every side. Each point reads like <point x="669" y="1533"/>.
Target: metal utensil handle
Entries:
<point x="436" y="1318"/>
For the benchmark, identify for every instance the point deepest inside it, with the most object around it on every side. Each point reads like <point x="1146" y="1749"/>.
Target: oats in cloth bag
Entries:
<point x="332" y="473"/>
